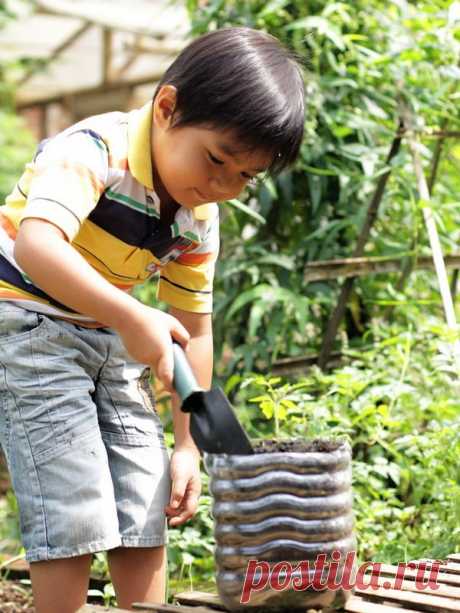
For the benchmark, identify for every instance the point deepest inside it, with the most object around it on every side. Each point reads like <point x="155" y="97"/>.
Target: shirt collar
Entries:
<point x="139" y="154"/>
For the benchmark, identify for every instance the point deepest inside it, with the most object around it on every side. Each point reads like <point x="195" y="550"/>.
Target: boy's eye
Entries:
<point x="250" y="178"/>
<point x="213" y="159"/>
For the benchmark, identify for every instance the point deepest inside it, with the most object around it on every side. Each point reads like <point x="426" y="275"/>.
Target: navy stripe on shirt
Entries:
<point x="134" y="227"/>
<point x="12" y="276"/>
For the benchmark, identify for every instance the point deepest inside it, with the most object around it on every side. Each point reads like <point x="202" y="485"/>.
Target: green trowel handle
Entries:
<point x="184" y="381"/>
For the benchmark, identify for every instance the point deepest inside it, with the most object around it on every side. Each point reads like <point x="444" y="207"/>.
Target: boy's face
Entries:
<point x="198" y="165"/>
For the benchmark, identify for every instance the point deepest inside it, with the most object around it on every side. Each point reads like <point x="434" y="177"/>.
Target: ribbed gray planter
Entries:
<point x="280" y="507"/>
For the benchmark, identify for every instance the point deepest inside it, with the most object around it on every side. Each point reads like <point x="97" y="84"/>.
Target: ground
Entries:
<point x="15" y="597"/>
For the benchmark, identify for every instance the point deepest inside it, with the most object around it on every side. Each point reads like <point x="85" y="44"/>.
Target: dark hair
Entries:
<point x="244" y="80"/>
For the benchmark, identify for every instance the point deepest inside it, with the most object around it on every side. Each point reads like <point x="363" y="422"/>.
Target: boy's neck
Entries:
<point x="168" y="206"/>
<point x="168" y="211"/>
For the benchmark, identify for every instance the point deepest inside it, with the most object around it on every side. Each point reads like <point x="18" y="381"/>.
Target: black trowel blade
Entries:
<point x="214" y="425"/>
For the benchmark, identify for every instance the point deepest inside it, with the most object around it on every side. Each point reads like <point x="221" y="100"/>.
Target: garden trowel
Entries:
<point x="213" y="424"/>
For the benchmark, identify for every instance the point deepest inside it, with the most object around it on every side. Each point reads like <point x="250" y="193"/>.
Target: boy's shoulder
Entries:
<point x="86" y="140"/>
<point x="114" y="131"/>
<point x="105" y="126"/>
<point x="104" y="121"/>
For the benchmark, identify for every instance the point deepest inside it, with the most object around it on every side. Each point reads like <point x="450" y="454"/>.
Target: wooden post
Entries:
<point x="337" y="315"/>
<point x="106" y="55"/>
<point x="454" y="283"/>
<point x="43" y="122"/>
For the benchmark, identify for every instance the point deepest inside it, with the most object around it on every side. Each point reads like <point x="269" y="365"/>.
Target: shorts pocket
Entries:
<point x="5" y="426"/>
<point x="17" y="323"/>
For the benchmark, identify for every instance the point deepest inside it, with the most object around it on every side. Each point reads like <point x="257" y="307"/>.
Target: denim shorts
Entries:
<point x="82" y="439"/>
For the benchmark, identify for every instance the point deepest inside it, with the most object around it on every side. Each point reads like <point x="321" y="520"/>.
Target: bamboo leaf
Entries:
<point x="237" y="204"/>
<point x="323" y="26"/>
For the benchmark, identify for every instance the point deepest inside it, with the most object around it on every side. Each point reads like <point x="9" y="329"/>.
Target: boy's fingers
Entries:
<point x="187" y="513"/>
<point x="180" y="333"/>
<point x="180" y="519"/>
<point x="165" y="369"/>
<point x="192" y="504"/>
<point x="177" y="492"/>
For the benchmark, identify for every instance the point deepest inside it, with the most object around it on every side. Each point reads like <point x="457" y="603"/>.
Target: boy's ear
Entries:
<point x="164" y="106"/>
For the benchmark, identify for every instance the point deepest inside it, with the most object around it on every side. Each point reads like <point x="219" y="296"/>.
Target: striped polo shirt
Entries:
<point x="94" y="181"/>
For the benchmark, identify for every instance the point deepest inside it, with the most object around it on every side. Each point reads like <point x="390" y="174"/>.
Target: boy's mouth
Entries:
<point x="202" y="196"/>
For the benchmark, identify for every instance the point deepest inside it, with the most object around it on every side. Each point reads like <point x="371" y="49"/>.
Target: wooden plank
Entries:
<point x="17" y="563"/>
<point x="289" y="366"/>
<point x="356" y="604"/>
<point x="358" y="267"/>
<point x="143" y="607"/>
<point x="425" y="601"/>
<point x="453" y="557"/>
<point x="200" y="598"/>
<point x="167" y="608"/>
<point x="390" y="570"/>
<point x="451" y="567"/>
<point x="93" y="608"/>
<point x="446" y="591"/>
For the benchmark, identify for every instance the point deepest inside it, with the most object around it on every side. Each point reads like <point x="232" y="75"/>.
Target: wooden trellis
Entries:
<point x="357" y="265"/>
<point x="93" y="58"/>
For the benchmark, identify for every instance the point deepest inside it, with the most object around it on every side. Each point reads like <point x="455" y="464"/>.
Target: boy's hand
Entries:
<point x="186" y="485"/>
<point x="147" y="336"/>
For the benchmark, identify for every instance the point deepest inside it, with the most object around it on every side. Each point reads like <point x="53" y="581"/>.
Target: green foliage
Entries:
<point x="278" y="402"/>
<point x="398" y="404"/>
<point x="16" y="145"/>
<point x="9" y="524"/>
<point x="361" y="61"/>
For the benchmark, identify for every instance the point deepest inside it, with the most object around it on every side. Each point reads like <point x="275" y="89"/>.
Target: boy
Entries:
<point x="102" y="207"/>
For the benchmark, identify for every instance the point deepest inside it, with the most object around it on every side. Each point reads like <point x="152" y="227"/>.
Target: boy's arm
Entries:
<point x="185" y="461"/>
<point x="42" y="251"/>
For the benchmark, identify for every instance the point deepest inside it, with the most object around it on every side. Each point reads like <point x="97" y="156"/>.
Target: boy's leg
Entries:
<point x="133" y="435"/>
<point x="60" y="586"/>
<point x="138" y="574"/>
<point x="57" y="460"/>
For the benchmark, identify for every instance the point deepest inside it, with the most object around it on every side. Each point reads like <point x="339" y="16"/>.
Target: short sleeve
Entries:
<point x="187" y="282"/>
<point x="69" y="176"/>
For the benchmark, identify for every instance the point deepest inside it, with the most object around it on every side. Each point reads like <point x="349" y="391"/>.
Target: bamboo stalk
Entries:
<point x="433" y="236"/>
<point x="410" y="264"/>
<point x="435" y="244"/>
